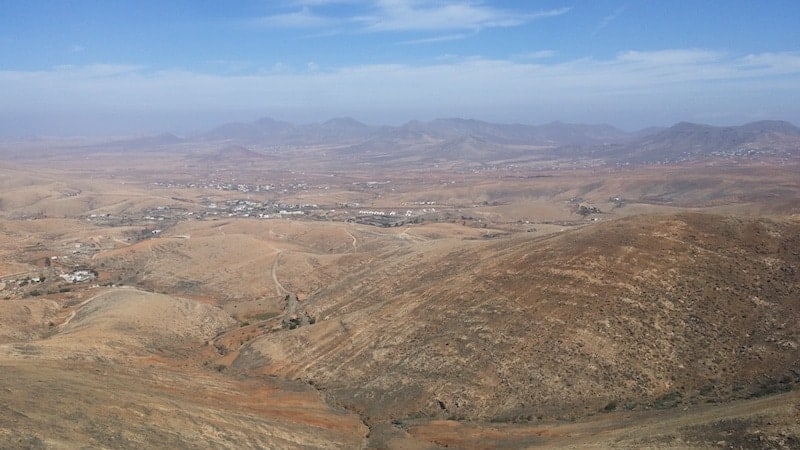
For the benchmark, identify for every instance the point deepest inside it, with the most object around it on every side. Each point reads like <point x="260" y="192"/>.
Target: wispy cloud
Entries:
<point x="96" y="70"/>
<point x="670" y="57"/>
<point x="630" y="68"/>
<point x="441" y="38"/>
<point x="303" y="18"/>
<point x="415" y="16"/>
<point x="408" y="16"/>
<point x="606" y="21"/>
<point x="323" y="2"/>
<point x="785" y="62"/>
<point x="229" y="65"/>
<point x="548" y="13"/>
<point x="539" y="54"/>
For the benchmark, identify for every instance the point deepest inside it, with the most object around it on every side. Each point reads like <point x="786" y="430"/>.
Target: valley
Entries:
<point x="443" y="284"/>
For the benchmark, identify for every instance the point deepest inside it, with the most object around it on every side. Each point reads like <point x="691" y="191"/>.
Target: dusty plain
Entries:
<point x="199" y="294"/>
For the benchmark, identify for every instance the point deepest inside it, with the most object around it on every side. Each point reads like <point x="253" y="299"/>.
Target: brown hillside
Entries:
<point x="117" y="372"/>
<point x="638" y="313"/>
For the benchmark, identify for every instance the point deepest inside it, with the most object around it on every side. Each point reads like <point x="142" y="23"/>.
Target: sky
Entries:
<point x="140" y="67"/>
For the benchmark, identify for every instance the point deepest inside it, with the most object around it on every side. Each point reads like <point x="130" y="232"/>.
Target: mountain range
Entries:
<point x="339" y="130"/>
<point x="480" y="143"/>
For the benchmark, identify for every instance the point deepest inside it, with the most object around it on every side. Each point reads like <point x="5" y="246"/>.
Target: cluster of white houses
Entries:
<point x="79" y="276"/>
<point x="366" y="212"/>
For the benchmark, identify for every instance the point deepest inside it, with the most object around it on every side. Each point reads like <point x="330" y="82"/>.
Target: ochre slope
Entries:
<point x="124" y="371"/>
<point x="649" y="311"/>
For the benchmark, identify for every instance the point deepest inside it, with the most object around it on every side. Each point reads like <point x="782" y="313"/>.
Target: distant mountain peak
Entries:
<point x="691" y="140"/>
<point x="348" y="122"/>
<point x="269" y="121"/>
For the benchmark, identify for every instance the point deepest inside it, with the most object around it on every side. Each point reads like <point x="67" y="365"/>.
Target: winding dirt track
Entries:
<point x="279" y="289"/>
<point x="75" y="311"/>
<point x="355" y="241"/>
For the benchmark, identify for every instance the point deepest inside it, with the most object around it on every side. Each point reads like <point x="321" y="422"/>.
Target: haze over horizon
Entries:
<point x="70" y="68"/>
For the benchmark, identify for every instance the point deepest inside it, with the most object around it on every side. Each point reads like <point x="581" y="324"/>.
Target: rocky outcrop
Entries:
<point x="294" y="315"/>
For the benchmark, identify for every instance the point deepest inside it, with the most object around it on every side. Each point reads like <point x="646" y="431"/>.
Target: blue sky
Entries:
<point x="100" y="67"/>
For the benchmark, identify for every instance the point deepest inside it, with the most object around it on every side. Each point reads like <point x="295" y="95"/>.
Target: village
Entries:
<point x="155" y="220"/>
<point x="263" y="201"/>
<point x="71" y="267"/>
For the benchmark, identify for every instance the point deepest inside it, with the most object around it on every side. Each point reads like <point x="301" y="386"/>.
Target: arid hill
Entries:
<point x="121" y="371"/>
<point x="408" y="293"/>
<point x="639" y="313"/>
<point x="231" y="154"/>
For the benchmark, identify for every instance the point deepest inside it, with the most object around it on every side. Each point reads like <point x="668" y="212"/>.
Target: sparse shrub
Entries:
<point x="264" y="316"/>
<point x="668" y="400"/>
<point x="768" y="387"/>
<point x="707" y="389"/>
<point x="587" y="210"/>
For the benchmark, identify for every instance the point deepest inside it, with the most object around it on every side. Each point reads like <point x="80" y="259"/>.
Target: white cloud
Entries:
<point x="323" y="2"/>
<point x="408" y="15"/>
<point x="96" y="70"/>
<point x="606" y="21"/>
<point x="783" y="62"/>
<point x="405" y="16"/>
<point x="300" y="19"/>
<point x="440" y="38"/>
<point x="539" y="54"/>
<point x="669" y="57"/>
<point x="548" y="13"/>
<point x="229" y="65"/>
